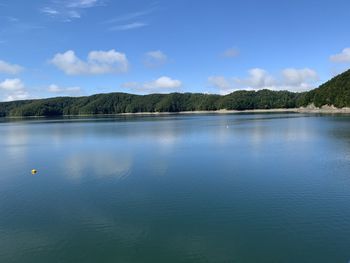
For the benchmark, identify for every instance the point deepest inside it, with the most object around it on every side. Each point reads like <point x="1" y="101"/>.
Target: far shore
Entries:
<point x="306" y="110"/>
<point x="323" y="110"/>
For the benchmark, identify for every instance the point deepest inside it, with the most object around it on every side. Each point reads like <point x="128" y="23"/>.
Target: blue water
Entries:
<point x="239" y="188"/>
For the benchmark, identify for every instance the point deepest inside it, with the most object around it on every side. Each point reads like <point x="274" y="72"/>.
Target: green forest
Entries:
<point x="334" y="92"/>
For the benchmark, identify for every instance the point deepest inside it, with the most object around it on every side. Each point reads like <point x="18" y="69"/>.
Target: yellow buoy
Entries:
<point x="34" y="171"/>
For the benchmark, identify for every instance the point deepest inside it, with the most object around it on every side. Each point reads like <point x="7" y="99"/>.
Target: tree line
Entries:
<point x="334" y="92"/>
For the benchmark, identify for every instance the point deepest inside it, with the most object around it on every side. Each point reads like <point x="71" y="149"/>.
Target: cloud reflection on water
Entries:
<point x="98" y="164"/>
<point x="15" y="139"/>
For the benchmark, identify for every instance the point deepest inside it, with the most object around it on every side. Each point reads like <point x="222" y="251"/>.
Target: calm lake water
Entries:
<point x="245" y="188"/>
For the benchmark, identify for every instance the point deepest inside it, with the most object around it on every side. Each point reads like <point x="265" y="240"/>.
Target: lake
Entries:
<point x="240" y="188"/>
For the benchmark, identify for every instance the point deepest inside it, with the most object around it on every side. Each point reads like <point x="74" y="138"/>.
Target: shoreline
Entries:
<point x="307" y="110"/>
<point x="293" y="110"/>
<point x="211" y="112"/>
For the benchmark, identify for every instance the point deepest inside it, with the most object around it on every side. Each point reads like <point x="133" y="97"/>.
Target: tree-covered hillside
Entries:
<point x="114" y="103"/>
<point x="334" y="92"/>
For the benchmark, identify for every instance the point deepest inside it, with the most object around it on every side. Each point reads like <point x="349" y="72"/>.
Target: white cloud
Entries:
<point x="288" y="79"/>
<point x="129" y="26"/>
<point x="258" y="79"/>
<point x="221" y="83"/>
<point x="155" y="58"/>
<point x="129" y="21"/>
<point x="158" y="55"/>
<point x="82" y="3"/>
<point x="50" y="11"/>
<point x="343" y="56"/>
<point x="9" y="68"/>
<point x="13" y="89"/>
<point x="162" y="84"/>
<point x="67" y="10"/>
<point x="98" y="62"/>
<point x="11" y="85"/>
<point x="129" y="16"/>
<point x="297" y="77"/>
<point x="231" y="53"/>
<point x="53" y="88"/>
<point x="73" y="14"/>
<point x="12" y="19"/>
<point x="165" y="82"/>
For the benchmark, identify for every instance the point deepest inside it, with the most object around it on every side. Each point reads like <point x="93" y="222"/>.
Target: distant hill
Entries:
<point x="334" y="92"/>
<point x="114" y="103"/>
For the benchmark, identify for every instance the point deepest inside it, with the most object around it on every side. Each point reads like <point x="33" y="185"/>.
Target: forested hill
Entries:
<point x="334" y="92"/>
<point x="114" y="103"/>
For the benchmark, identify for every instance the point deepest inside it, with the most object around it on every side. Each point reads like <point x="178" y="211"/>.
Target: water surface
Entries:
<point x="239" y="188"/>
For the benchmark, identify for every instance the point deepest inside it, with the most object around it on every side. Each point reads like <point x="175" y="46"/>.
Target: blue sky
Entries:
<point x="80" y="47"/>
